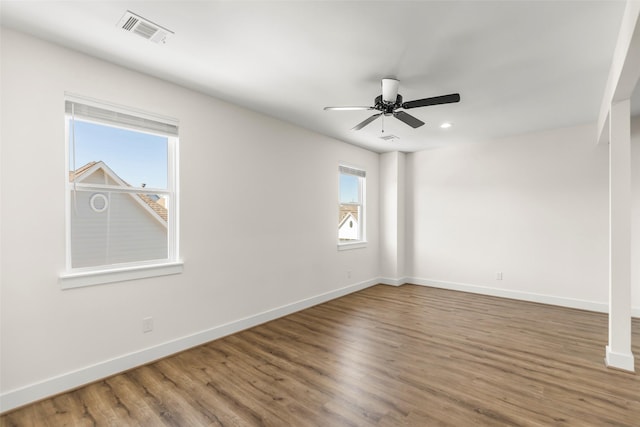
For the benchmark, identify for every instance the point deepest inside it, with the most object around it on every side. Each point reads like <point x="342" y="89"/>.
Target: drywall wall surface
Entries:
<point x="258" y="210"/>
<point x="392" y="227"/>
<point x="526" y="215"/>
<point x="635" y="213"/>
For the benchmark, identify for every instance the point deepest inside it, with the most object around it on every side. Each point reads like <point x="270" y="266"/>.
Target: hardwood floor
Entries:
<point x="385" y="356"/>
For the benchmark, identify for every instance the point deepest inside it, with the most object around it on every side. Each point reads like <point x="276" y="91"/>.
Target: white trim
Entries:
<point x="67" y="195"/>
<point x="124" y="188"/>
<point x="105" y="202"/>
<point x="173" y="204"/>
<point x="393" y="282"/>
<point x="355" y="245"/>
<point x="75" y="278"/>
<point x="619" y="360"/>
<point x="80" y="279"/>
<point x="22" y="396"/>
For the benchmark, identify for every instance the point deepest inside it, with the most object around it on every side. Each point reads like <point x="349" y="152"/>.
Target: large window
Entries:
<point x="121" y="193"/>
<point x="351" y="212"/>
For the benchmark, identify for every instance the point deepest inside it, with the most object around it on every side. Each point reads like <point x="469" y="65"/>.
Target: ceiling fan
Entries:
<point x="390" y="101"/>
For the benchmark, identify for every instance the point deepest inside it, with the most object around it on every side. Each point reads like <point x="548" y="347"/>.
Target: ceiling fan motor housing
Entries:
<point x="387" y="107"/>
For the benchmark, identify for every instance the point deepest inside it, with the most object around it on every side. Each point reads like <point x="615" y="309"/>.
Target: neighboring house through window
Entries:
<point x="351" y="212"/>
<point x="122" y="210"/>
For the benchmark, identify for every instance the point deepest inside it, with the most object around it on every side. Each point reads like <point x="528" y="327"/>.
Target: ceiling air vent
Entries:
<point x="144" y="28"/>
<point x="389" y="137"/>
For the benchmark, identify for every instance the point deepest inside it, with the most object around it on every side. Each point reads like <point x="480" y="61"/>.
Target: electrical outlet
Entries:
<point x="499" y="275"/>
<point x="147" y="324"/>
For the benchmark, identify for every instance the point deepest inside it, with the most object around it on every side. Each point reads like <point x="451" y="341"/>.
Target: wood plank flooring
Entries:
<point x="385" y="356"/>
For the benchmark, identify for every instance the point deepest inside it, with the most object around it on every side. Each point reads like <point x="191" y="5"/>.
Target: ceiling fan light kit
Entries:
<point x="390" y="101"/>
<point x="389" y="90"/>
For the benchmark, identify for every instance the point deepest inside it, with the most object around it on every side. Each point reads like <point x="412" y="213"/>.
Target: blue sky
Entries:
<point x="349" y="188"/>
<point x="136" y="157"/>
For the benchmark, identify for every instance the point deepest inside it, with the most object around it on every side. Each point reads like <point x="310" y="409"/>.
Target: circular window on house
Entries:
<point x="98" y="202"/>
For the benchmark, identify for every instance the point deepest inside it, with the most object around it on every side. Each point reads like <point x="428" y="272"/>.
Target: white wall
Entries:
<point x="635" y="214"/>
<point x="534" y="207"/>
<point x="244" y="178"/>
<point x="392" y="217"/>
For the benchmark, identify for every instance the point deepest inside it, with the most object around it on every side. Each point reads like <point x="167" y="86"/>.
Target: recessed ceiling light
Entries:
<point x="446" y="125"/>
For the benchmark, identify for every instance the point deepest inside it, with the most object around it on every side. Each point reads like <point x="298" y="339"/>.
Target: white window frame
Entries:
<point x="88" y="276"/>
<point x="344" y="169"/>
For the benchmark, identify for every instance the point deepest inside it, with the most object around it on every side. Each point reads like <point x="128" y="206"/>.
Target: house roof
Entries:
<point x="91" y="167"/>
<point x="344" y="212"/>
<point x="344" y="220"/>
<point x="157" y="207"/>
<point x="81" y="170"/>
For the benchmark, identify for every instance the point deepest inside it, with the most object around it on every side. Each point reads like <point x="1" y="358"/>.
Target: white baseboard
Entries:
<point x="624" y="361"/>
<point x="392" y="282"/>
<point x="22" y="396"/>
<point x="519" y="295"/>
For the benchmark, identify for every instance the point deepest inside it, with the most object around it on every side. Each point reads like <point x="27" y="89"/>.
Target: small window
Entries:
<point x="351" y="212"/>
<point x="121" y="191"/>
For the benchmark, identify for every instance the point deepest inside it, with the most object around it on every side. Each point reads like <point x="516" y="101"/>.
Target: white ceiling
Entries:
<point x="519" y="66"/>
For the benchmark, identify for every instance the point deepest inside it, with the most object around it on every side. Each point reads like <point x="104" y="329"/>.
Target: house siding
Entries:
<point x="124" y="232"/>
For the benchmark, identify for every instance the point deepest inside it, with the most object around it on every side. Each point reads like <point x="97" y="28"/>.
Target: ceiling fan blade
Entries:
<point x="436" y="100"/>
<point x="408" y="119"/>
<point x="348" y="108"/>
<point x="366" y="122"/>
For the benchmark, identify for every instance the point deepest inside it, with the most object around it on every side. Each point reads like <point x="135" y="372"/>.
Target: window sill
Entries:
<point x="79" y="279"/>
<point x="354" y="245"/>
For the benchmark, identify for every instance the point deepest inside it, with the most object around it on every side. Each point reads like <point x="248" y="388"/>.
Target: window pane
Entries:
<point x="112" y="228"/>
<point x="349" y="189"/>
<point x="140" y="159"/>
<point x="350" y="212"/>
<point x="348" y="222"/>
<point x="120" y="190"/>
